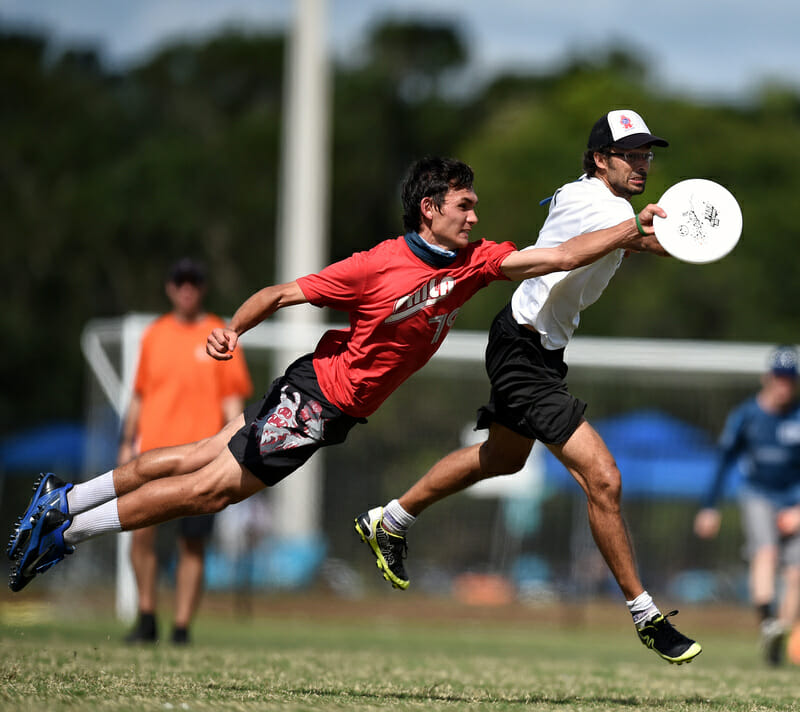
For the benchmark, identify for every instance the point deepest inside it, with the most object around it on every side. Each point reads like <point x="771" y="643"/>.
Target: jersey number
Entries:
<point x="442" y="321"/>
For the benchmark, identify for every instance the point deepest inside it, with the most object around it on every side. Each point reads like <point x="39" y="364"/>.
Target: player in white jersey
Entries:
<point x="552" y="304"/>
<point x="529" y="397"/>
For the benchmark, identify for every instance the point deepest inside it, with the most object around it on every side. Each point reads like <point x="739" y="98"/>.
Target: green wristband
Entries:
<point x="639" y="227"/>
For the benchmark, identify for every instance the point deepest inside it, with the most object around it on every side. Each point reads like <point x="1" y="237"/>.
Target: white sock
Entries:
<point x="642" y="609"/>
<point x="103" y="519"/>
<point x="395" y="519"/>
<point x="86" y="495"/>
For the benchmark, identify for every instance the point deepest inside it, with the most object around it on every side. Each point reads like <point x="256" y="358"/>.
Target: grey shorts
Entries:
<point x="759" y="513"/>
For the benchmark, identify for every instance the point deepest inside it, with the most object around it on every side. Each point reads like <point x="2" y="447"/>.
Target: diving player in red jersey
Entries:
<point x="402" y="297"/>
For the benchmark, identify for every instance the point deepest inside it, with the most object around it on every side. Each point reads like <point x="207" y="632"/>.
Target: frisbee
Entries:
<point x="703" y="223"/>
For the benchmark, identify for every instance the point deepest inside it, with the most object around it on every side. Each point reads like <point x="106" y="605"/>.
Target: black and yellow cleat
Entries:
<point x="389" y="549"/>
<point x="667" y="642"/>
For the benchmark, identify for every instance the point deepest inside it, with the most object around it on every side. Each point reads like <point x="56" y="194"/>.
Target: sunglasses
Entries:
<point x="633" y="156"/>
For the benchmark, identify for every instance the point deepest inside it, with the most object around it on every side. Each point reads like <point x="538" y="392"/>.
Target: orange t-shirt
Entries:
<point x="181" y="387"/>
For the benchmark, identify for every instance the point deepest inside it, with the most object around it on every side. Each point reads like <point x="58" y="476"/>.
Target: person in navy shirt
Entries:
<point x="763" y="435"/>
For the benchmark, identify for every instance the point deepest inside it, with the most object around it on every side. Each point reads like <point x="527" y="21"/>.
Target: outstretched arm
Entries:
<point x="222" y="342"/>
<point x="586" y="248"/>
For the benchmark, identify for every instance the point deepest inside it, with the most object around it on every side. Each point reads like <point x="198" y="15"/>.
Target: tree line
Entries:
<point x="110" y="174"/>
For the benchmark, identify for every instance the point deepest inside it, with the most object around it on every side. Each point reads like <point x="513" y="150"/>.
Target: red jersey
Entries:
<point x="400" y="311"/>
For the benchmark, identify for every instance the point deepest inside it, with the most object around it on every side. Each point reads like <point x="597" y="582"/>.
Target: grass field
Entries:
<point x="394" y="652"/>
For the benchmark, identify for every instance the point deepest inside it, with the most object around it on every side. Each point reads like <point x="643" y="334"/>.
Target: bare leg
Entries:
<point x="188" y="579"/>
<point x="212" y="488"/>
<point x="589" y="461"/>
<point x="587" y="458"/>
<point x="145" y="567"/>
<point x="763" y="569"/>
<point x="503" y="453"/>
<point x="170" y="461"/>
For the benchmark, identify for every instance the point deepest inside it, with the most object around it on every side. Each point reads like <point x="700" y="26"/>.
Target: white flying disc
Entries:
<point x="703" y="223"/>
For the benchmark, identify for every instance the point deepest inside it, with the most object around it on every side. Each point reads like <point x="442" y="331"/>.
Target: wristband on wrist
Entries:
<point x="639" y="227"/>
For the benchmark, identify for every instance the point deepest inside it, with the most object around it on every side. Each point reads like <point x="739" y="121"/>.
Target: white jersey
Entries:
<point x="552" y="303"/>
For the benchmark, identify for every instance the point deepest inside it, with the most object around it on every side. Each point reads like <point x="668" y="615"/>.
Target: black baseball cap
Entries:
<point x="623" y="128"/>
<point x="187" y="269"/>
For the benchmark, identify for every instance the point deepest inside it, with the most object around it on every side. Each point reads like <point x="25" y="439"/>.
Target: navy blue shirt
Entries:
<point x="767" y="446"/>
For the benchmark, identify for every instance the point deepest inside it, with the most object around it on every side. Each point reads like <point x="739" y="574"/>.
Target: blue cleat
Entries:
<point x="47" y="489"/>
<point x="45" y="548"/>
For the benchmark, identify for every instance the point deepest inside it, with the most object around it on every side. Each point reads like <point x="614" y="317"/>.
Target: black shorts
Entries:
<point x="198" y="527"/>
<point x="529" y="394"/>
<point x="288" y="425"/>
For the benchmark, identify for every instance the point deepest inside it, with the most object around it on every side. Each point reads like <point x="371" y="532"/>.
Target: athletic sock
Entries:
<point x="103" y="519"/>
<point x="642" y="609"/>
<point x="86" y="495"/>
<point x="395" y="519"/>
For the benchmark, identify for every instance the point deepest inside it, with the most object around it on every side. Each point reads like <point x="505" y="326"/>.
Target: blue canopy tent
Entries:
<point x="661" y="458"/>
<point x="55" y="447"/>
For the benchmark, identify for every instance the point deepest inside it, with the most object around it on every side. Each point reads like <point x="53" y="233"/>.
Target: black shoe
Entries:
<point x="389" y="549"/>
<point x="145" y="630"/>
<point x="180" y="636"/>
<point x="674" y="647"/>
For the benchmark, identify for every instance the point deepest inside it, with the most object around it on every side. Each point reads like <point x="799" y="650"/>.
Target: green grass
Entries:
<point x="372" y="657"/>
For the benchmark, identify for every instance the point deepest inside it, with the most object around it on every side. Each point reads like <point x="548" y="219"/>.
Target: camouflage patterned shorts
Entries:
<point x="288" y="425"/>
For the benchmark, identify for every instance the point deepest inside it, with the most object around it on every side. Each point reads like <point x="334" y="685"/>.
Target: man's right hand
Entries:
<point x="648" y="242"/>
<point x="221" y="343"/>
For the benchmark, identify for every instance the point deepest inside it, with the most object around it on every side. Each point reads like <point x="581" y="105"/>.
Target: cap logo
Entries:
<point x="623" y="127"/>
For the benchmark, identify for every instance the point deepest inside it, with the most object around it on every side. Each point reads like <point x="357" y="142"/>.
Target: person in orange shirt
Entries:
<point x="180" y="395"/>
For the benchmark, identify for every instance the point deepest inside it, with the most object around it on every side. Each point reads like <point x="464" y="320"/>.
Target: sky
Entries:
<point x="706" y="49"/>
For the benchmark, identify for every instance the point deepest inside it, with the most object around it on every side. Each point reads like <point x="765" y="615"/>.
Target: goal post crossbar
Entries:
<point x="642" y="355"/>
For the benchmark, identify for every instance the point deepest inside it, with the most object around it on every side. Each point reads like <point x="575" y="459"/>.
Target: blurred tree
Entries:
<point x="416" y="57"/>
<point x="532" y="141"/>
<point x="108" y="175"/>
<point x="389" y="109"/>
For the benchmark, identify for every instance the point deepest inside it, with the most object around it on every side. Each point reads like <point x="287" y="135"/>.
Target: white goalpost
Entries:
<point x="301" y="239"/>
